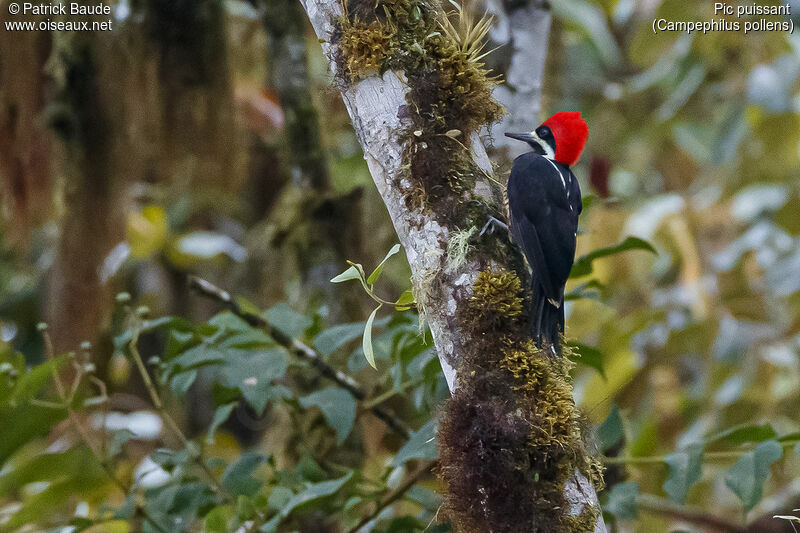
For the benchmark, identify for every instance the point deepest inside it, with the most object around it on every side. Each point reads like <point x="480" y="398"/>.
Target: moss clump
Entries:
<point x="366" y="47"/>
<point x="458" y="247"/>
<point x="545" y="380"/>
<point x="586" y="520"/>
<point x="486" y="461"/>
<point x="496" y="295"/>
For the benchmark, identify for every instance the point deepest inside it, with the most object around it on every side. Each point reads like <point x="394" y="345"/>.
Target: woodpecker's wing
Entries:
<point x="544" y="218"/>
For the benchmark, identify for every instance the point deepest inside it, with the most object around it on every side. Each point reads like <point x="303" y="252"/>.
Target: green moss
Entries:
<point x="496" y="293"/>
<point x="585" y="521"/>
<point x="458" y="248"/>
<point x="366" y="46"/>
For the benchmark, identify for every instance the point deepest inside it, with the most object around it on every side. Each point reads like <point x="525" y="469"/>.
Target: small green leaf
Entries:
<point x="238" y="478"/>
<point x="314" y="492"/>
<point x="31" y="382"/>
<point x="220" y="416"/>
<point x="366" y="345"/>
<point x="405" y="299"/>
<point x="180" y="383"/>
<point x="746" y="478"/>
<point x="197" y="356"/>
<point x="590" y="289"/>
<point x="338" y="406"/>
<point x="378" y="269"/>
<point x="685" y="469"/>
<point x="583" y="265"/>
<point x="287" y="320"/>
<point x="253" y="374"/>
<point x="622" y="500"/>
<point x="611" y="431"/>
<point x="279" y="497"/>
<point x="790" y="437"/>
<point x="421" y="445"/>
<point x="227" y="321"/>
<point x="347" y="275"/>
<point x="743" y="434"/>
<point x="216" y="521"/>
<point x="331" y="339"/>
<point x="246" y="306"/>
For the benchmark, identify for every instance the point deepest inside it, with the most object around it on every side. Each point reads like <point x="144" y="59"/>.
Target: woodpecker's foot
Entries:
<point x="492" y="225"/>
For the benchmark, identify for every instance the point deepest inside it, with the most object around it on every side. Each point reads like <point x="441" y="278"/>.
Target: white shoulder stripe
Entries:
<point x="560" y="175"/>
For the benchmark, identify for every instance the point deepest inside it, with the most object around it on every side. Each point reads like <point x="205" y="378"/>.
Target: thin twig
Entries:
<point x="164" y="414"/>
<point x="377" y="400"/>
<point x="728" y="455"/>
<point x="299" y="349"/>
<point x="395" y="495"/>
<point x="661" y="506"/>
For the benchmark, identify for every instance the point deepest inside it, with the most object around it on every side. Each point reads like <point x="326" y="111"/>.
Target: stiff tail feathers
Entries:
<point x="546" y="321"/>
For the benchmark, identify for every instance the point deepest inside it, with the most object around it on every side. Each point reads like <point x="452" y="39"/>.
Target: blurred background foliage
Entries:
<point x="134" y="159"/>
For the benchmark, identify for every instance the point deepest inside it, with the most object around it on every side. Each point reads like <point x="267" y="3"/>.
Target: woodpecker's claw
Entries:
<point x="493" y="224"/>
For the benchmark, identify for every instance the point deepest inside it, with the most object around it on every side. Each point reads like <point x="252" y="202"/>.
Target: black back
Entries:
<point x="544" y="203"/>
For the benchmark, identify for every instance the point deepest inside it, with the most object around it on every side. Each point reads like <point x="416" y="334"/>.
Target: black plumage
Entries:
<point x="544" y="203"/>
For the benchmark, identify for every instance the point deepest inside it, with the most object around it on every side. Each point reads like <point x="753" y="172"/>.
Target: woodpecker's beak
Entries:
<point x="525" y="137"/>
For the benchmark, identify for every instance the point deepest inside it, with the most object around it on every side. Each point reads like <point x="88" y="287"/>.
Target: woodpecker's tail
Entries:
<point x="547" y="320"/>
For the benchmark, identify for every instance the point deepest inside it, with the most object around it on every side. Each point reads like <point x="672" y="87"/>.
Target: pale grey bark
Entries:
<point x="376" y="106"/>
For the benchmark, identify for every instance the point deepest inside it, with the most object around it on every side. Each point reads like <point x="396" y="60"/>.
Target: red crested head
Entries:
<point x="570" y="132"/>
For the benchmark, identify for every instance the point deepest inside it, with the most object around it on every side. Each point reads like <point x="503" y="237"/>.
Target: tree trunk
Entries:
<point x="25" y="142"/>
<point x="510" y="443"/>
<point x="79" y="299"/>
<point x="521" y="31"/>
<point x="326" y="216"/>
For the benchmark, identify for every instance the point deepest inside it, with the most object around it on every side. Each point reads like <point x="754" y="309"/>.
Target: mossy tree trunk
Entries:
<point x="510" y="443"/>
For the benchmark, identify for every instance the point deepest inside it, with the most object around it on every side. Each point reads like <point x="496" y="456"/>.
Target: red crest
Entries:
<point x="571" y="133"/>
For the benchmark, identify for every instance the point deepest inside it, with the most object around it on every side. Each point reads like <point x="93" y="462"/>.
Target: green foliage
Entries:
<point x="338" y="406"/>
<point x="403" y="303"/>
<point x="621" y="501"/>
<point x="201" y="483"/>
<point x="421" y="445"/>
<point x="611" y="431"/>
<point x="685" y="469"/>
<point x="747" y="476"/>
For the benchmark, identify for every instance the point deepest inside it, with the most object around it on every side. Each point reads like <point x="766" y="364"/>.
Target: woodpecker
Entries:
<point x="544" y="201"/>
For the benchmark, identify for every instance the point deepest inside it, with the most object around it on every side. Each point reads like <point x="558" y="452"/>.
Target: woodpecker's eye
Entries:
<point x="544" y="132"/>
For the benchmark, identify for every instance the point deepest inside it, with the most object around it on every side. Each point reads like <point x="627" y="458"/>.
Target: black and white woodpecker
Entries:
<point x="544" y="201"/>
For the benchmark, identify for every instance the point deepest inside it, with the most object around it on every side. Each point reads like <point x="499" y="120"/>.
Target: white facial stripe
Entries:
<point x="548" y="150"/>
